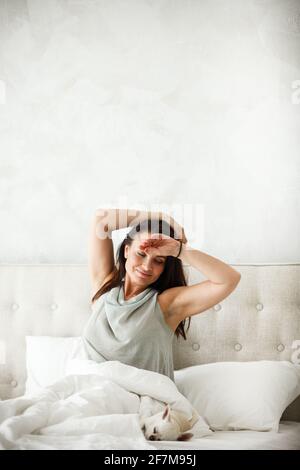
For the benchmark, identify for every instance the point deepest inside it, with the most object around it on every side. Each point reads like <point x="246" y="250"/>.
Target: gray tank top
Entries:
<point x="131" y="331"/>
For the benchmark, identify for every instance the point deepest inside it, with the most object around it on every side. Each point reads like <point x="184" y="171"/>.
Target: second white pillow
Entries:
<point x="240" y="395"/>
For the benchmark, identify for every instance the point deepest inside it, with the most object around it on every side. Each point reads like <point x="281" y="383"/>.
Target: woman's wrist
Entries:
<point x="179" y="249"/>
<point x="184" y="249"/>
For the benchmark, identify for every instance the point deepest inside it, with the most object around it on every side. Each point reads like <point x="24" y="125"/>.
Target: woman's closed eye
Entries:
<point x="158" y="261"/>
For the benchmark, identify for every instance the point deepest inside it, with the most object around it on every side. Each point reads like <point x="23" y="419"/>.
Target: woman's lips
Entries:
<point x="141" y="274"/>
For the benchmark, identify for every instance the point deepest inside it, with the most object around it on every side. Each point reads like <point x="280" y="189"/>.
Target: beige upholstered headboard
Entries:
<point x="259" y="320"/>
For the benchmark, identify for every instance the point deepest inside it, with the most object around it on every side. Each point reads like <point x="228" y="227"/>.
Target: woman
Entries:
<point x="143" y="300"/>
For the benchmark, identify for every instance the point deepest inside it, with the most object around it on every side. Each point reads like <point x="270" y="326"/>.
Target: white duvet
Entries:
<point x="95" y="406"/>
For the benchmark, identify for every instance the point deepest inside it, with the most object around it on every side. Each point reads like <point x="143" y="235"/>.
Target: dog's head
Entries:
<point x="167" y="425"/>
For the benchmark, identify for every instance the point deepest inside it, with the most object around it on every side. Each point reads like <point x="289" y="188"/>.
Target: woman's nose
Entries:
<point x="147" y="266"/>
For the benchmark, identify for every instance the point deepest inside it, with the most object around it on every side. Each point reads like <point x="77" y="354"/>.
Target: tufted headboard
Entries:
<point x="259" y="320"/>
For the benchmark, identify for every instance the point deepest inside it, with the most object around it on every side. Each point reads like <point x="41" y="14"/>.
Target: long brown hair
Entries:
<point x="172" y="275"/>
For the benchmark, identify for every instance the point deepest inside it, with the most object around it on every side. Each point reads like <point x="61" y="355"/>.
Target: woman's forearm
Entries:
<point x="216" y="270"/>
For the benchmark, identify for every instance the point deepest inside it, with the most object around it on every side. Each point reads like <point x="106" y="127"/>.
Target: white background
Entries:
<point x="150" y="102"/>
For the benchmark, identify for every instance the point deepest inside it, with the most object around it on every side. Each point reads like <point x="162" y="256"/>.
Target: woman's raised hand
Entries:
<point x="161" y="244"/>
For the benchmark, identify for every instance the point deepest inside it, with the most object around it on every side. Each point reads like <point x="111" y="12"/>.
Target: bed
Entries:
<point x="260" y="320"/>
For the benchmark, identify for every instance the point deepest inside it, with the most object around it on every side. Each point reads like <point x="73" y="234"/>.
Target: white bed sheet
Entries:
<point x="288" y="438"/>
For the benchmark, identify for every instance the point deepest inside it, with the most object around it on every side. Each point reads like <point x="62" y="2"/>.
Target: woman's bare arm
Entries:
<point x="100" y="255"/>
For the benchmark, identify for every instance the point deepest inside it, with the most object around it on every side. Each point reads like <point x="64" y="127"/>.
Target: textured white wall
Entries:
<point x="158" y="101"/>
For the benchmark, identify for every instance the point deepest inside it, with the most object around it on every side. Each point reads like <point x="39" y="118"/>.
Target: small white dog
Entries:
<point x="168" y="425"/>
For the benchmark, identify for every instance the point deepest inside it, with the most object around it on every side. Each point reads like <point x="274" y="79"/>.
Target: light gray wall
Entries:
<point x="165" y="101"/>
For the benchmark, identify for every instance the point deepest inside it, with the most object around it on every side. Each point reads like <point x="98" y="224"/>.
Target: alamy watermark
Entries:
<point x="186" y="219"/>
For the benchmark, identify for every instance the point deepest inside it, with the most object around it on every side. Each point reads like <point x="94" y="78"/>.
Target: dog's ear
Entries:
<point x="166" y="413"/>
<point x="185" y="436"/>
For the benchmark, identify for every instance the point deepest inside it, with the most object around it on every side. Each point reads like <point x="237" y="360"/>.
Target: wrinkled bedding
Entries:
<point x="95" y="406"/>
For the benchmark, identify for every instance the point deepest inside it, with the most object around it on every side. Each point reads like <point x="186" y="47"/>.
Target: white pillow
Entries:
<point x="240" y="395"/>
<point x="47" y="358"/>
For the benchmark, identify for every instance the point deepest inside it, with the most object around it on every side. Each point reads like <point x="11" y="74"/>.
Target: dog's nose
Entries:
<point x="151" y="438"/>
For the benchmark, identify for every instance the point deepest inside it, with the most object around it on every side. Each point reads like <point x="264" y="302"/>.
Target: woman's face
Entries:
<point x="138" y="262"/>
